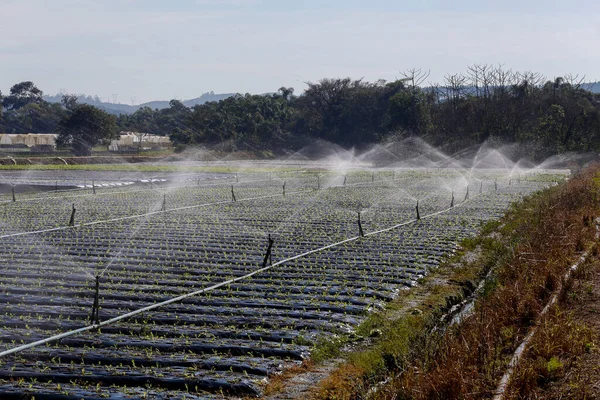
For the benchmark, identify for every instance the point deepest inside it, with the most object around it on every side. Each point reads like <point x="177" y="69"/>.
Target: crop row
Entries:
<point x="231" y="338"/>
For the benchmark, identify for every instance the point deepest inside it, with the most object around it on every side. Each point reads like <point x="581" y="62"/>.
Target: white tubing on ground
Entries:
<point x="207" y="289"/>
<point x="500" y="391"/>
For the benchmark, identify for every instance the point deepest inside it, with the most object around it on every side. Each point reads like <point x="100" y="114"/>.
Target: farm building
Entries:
<point x="135" y="141"/>
<point x="40" y="142"/>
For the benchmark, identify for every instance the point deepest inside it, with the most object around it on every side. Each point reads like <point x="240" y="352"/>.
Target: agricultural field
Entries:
<point x="202" y="239"/>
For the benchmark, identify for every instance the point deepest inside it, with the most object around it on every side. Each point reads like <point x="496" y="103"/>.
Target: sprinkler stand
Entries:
<point x="344" y="180"/>
<point x="481" y="187"/>
<point x="233" y="199"/>
<point x="283" y="188"/>
<point x="72" y="220"/>
<point x="467" y="194"/>
<point x="417" y="208"/>
<point x="93" y="187"/>
<point x="164" y="203"/>
<point x="268" y="253"/>
<point x="95" y="317"/>
<point x="13" y="193"/>
<point x="452" y="201"/>
<point x="360" y="229"/>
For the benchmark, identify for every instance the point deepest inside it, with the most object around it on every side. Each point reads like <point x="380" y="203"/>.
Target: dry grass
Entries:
<point x="547" y="232"/>
<point x="538" y="241"/>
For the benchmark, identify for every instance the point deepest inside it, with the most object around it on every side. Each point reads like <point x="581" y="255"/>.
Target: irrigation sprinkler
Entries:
<point x="93" y="187"/>
<point x="13" y="193"/>
<point x="496" y="184"/>
<point x="164" y="203"/>
<point x="56" y="186"/>
<point x="233" y="199"/>
<point x="283" y="188"/>
<point x="236" y="179"/>
<point x="509" y="181"/>
<point x="452" y="201"/>
<point x="417" y="208"/>
<point x="480" y="187"/>
<point x="198" y="182"/>
<point x="344" y="181"/>
<point x="268" y="253"/>
<point x="373" y="177"/>
<point x="467" y="194"/>
<point x="72" y="220"/>
<point x="95" y="317"/>
<point x="318" y="182"/>
<point x="360" y="229"/>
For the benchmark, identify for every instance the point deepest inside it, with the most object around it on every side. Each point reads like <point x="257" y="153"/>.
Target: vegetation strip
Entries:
<point x="504" y="382"/>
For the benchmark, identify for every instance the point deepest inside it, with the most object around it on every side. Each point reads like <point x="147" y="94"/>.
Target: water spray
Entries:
<point x="452" y="201"/>
<point x="95" y="317"/>
<point x="417" y="208"/>
<point x="13" y="193"/>
<point x="268" y="253"/>
<point x="467" y="194"/>
<point x="72" y="220"/>
<point x="283" y="188"/>
<point x="360" y="229"/>
<point x="233" y="199"/>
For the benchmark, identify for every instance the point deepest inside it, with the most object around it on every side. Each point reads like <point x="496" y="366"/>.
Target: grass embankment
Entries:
<point x="526" y="254"/>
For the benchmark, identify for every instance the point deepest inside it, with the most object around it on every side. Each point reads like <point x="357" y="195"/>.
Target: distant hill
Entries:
<point x="593" y="87"/>
<point x="119" y="108"/>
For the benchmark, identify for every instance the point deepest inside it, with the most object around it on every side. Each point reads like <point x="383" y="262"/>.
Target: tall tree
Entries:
<point x="22" y="94"/>
<point x="85" y="127"/>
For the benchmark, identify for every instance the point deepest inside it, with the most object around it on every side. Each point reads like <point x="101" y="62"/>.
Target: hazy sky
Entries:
<point x="163" y="49"/>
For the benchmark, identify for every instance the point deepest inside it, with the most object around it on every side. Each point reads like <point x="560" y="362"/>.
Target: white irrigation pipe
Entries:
<point x="60" y="228"/>
<point x="216" y="286"/>
<point x="500" y="391"/>
<point x="130" y="191"/>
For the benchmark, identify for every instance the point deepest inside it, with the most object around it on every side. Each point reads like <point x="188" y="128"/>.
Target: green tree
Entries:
<point x="22" y="94"/>
<point x="85" y="127"/>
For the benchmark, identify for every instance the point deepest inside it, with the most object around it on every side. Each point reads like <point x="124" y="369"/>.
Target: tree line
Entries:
<point x="484" y="103"/>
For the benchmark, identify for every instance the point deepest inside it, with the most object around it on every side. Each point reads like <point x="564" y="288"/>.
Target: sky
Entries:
<point x="134" y="51"/>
